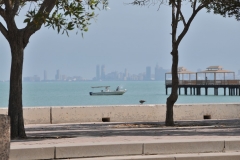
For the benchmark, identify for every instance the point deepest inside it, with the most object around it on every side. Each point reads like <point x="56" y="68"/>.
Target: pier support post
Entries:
<point x="166" y="91"/>
<point x="190" y="90"/>
<point x="206" y="91"/>
<point x="215" y="91"/>
<point x="224" y="91"/>
<point x="185" y="90"/>
<point x="198" y="91"/>
<point x="179" y="90"/>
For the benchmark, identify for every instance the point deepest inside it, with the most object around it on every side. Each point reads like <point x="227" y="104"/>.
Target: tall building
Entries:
<point x="102" y="72"/>
<point x="148" y="73"/>
<point x="45" y="75"/>
<point x="125" y="75"/>
<point x="57" y="76"/>
<point x="159" y="73"/>
<point x="98" y="72"/>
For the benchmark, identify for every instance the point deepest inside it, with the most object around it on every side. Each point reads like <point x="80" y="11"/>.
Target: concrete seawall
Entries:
<point x="126" y="113"/>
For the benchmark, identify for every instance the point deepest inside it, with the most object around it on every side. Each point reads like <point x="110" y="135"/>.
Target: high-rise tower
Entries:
<point x="102" y="72"/>
<point x="148" y="73"/>
<point x="98" y="72"/>
<point x="57" y="76"/>
<point x="45" y="75"/>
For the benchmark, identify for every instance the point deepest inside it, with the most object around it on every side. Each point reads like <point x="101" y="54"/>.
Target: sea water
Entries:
<point x="77" y="94"/>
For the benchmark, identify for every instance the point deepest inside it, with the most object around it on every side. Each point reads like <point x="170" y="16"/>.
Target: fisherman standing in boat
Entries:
<point x="117" y="88"/>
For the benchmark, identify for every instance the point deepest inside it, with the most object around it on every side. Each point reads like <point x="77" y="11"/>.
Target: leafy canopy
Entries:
<point x="64" y="16"/>
<point x="223" y="7"/>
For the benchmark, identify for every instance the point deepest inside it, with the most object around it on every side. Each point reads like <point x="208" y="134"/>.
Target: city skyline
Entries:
<point x="129" y="37"/>
<point x="102" y="75"/>
<point x="157" y="74"/>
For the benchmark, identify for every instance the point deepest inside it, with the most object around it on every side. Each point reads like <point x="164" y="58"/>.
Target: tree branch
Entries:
<point x="174" y="27"/>
<point x="3" y="2"/>
<point x="44" y="10"/>
<point x="194" y="5"/>
<point x="4" y="31"/>
<point x="2" y="12"/>
<point x="16" y="7"/>
<point x="178" y="6"/>
<point x="183" y="19"/>
<point x="180" y="37"/>
<point x="7" y="4"/>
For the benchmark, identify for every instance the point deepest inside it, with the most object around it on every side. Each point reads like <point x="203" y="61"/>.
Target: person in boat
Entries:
<point x="117" y="88"/>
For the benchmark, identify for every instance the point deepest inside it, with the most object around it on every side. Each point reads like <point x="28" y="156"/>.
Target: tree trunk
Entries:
<point x="15" y="108"/>
<point x="174" y="95"/>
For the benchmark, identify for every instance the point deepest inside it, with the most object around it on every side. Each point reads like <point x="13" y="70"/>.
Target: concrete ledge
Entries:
<point x="98" y="150"/>
<point x="232" y="145"/>
<point x="183" y="147"/>
<point x="4" y="111"/>
<point x="197" y="111"/>
<point x="121" y="113"/>
<point x="139" y="157"/>
<point x="37" y="115"/>
<point x="126" y="113"/>
<point x="33" y="115"/>
<point x="32" y="153"/>
<point x="4" y="136"/>
<point x="209" y="156"/>
<point x="188" y="150"/>
<point x="200" y="156"/>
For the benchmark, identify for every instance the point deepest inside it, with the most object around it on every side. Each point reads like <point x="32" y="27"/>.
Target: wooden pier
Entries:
<point x="220" y="79"/>
<point x="194" y="87"/>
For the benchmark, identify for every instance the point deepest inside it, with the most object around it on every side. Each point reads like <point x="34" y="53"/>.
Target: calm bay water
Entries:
<point x="77" y="94"/>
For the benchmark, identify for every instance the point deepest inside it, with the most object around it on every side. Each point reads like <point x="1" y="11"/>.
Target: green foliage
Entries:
<point x="225" y="8"/>
<point x="67" y="15"/>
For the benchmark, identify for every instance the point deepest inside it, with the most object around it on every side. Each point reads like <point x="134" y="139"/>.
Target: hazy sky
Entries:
<point x="129" y="37"/>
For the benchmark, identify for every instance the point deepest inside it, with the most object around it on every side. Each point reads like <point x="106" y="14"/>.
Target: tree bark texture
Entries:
<point x="174" y="95"/>
<point x="15" y="108"/>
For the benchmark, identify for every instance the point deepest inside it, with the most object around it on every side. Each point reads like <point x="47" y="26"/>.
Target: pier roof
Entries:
<point x="182" y="70"/>
<point x="215" y="69"/>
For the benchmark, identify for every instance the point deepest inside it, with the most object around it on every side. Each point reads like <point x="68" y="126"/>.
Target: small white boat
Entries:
<point x="106" y="92"/>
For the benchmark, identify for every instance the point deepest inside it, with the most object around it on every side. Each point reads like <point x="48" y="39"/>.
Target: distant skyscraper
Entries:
<point x="45" y="75"/>
<point x="148" y="73"/>
<point x="103" y="72"/>
<point x="98" y="72"/>
<point x="125" y="74"/>
<point x="57" y="76"/>
<point x="159" y="73"/>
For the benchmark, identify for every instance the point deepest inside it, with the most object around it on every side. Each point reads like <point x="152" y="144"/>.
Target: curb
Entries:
<point x="124" y="149"/>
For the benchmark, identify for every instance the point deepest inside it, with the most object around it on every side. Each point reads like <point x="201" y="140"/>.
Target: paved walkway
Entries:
<point x="109" y="132"/>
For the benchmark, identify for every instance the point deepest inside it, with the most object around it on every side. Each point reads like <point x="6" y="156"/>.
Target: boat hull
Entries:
<point x="107" y="93"/>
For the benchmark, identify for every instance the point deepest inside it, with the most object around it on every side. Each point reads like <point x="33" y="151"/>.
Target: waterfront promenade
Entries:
<point x="195" y="140"/>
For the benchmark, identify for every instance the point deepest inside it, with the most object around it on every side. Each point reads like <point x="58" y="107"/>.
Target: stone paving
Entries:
<point x="109" y="132"/>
